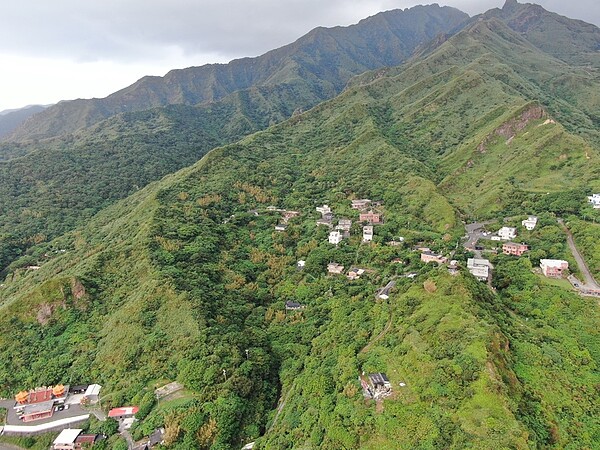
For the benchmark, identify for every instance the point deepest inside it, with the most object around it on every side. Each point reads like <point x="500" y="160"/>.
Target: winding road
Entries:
<point x="584" y="269"/>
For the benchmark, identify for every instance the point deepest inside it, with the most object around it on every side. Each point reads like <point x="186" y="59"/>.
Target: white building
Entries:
<point x="66" y="439"/>
<point x="553" y="268"/>
<point x="325" y="209"/>
<point x="335" y="237"/>
<point x="92" y="393"/>
<point x="594" y="199"/>
<point x="507" y="233"/>
<point x="479" y="268"/>
<point x="529" y="223"/>
<point x="367" y="233"/>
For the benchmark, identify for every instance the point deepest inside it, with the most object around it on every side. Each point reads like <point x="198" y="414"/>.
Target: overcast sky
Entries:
<point x="53" y="50"/>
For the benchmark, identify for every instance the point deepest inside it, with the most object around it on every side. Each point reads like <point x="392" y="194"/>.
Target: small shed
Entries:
<point x="293" y="306"/>
<point x="379" y="380"/>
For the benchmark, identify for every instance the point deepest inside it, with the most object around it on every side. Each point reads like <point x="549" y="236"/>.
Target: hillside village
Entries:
<point x="357" y="228"/>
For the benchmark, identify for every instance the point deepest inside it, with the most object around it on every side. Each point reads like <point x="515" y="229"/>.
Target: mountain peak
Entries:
<point x="510" y="5"/>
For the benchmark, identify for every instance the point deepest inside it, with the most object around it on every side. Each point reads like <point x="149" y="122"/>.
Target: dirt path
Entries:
<point x="282" y="402"/>
<point x="387" y="327"/>
<point x="587" y="275"/>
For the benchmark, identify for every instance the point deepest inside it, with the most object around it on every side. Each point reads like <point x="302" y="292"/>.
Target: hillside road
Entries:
<point x="587" y="275"/>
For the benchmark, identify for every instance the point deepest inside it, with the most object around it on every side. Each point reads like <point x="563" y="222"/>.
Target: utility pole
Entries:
<point x="247" y="354"/>
<point x="225" y="374"/>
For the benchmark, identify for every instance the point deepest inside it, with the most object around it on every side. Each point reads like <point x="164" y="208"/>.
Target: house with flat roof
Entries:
<point x="429" y="256"/>
<point x="361" y="204"/>
<point x="370" y="217"/>
<point x="479" y="268"/>
<point x="553" y="268"/>
<point x="335" y="268"/>
<point x="594" y="199"/>
<point x="92" y="393"/>
<point x="512" y="248"/>
<point x="367" y="233"/>
<point x="344" y="225"/>
<point x="354" y="273"/>
<point x="66" y="439"/>
<point x="325" y="209"/>
<point x="507" y="233"/>
<point x="529" y="223"/>
<point x="335" y="237"/>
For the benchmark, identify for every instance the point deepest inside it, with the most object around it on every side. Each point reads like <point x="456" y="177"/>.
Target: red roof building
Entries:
<point x="125" y="411"/>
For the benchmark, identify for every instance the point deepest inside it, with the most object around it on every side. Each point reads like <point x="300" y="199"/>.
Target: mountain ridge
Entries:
<point x="300" y="60"/>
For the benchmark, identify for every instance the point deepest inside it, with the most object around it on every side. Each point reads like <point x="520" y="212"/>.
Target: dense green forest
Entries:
<point x="187" y="279"/>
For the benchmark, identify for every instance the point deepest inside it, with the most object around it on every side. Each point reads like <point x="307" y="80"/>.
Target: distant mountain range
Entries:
<point x="77" y="157"/>
<point x="10" y="119"/>
<point x="318" y="64"/>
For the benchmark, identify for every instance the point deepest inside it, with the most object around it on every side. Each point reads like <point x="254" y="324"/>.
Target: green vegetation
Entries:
<point x="68" y="163"/>
<point x="187" y="279"/>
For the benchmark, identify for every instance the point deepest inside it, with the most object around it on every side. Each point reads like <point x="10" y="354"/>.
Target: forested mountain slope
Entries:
<point x="319" y="63"/>
<point x="188" y="278"/>
<point x="49" y="186"/>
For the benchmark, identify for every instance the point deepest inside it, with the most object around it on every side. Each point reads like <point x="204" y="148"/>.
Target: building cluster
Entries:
<point x="342" y="230"/>
<point x="42" y="402"/>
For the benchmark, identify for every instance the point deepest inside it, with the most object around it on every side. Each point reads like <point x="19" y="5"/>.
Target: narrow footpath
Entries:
<point x="387" y="327"/>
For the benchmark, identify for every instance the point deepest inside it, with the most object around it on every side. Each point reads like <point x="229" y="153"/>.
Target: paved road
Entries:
<point x="474" y="233"/>
<point x="587" y="275"/>
<point x="4" y="446"/>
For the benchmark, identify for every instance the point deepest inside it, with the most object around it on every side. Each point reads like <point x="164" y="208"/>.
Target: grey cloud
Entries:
<point x="139" y="30"/>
